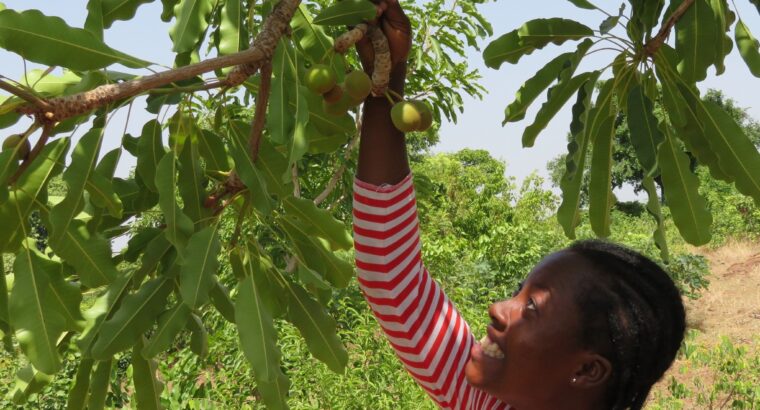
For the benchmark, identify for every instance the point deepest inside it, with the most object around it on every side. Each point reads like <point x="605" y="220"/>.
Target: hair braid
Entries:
<point x="633" y="315"/>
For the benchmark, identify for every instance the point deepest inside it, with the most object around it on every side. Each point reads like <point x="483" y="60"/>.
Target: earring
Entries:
<point x="573" y="380"/>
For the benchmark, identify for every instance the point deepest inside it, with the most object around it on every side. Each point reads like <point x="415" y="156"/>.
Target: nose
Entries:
<point x="499" y="313"/>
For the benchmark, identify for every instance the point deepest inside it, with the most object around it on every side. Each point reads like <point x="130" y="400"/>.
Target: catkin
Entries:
<point x="382" y="71"/>
<point x="349" y="38"/>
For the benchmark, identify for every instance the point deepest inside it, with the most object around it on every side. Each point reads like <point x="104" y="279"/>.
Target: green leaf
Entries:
<point x="724" y="17"/>
<point x="601" y="198"/>
<point x="314" y="42"/>
<point x="326" y="124"/>
<point x="316" y="326"/>
<point x="99" y="384"/>
<point x="653" y="207"/>
<point x="645" y="134"/>
<point x="688" y="208"/>
<point x="577" y="152"/>
<point x="249" y="174"/>
<point x="154" y="253"/>
<point x="258" y="336"/>
<point x="179" y="226"/>
<point x="346" y="12"/>
<point x="50" y="41"/>
<point x="135" y="315"/>
<point x="220" y="298"/>
<point x="533" y="35"/>
<point x="608" y="24"/>
<point x="103" y="308"/>
<point x="41" y="306"/>
<point x="211" y="149"/>
<point x="272" y="165"/>
<point x="199" y="266"/>
<point x="170" y="323"/>
<point x="319" y="222"/>
<point x="28" y="381"/>
<point x="543" y="78"/>
<point x="80" y="388"/>
<point x="316" y="254"/>
<point x="119" y="10"/>
<point x="198" y="336"/>
<point x="89" y="254"/>
<point x="749" y="48"/>
<point x="274" y="394"/>
<point x="168" y="9"/>
<point x="233" y="36"/>
<point x="191" y="183"/>
<point x="584" y="4"/>
<point x="150" y="150"/>
<point x="192" y="20"/>
<point x="736" y="153"/>
<point x="558" y="96"/>
<point x="694" y="30"/>
<point x="147" y="386"/>
<point x="100" y="185"/>
<point x="280" y="119"/>
<point x="14" y="212"/>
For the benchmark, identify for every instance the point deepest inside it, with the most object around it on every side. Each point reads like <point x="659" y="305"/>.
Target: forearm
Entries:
<point x="382" y="149"/>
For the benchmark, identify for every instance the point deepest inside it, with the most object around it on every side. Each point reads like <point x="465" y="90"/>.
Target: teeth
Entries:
<point x="490" y="348"/>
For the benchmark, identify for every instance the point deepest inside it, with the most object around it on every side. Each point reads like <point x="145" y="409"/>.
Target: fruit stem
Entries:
<point x="395" y="94"/>
<point x="388" y="96"/>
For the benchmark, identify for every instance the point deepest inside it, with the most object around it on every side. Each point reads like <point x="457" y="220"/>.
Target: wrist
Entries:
<point x="398" y="78"/>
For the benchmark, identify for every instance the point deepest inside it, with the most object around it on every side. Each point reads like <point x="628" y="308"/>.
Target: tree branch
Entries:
<point x="247" y="62"/>
<point x="259" y="116"/>
<point x="24" y="95"/>
<point x="657" y="41"/>
<point x="330" y="187"/>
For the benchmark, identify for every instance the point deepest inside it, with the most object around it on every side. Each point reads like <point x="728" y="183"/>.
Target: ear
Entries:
<point x="594" y="370"/>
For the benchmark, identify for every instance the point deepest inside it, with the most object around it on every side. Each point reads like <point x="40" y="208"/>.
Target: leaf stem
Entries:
<point x="25" y="95"/>
<point x="657" y="41"/>
<point x="259" y="116"/>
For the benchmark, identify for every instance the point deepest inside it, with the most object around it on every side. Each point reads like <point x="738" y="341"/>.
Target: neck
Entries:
<point x="569" y="399"/>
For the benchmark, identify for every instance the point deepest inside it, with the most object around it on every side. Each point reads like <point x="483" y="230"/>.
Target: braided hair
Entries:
<point x="632" y="314"/>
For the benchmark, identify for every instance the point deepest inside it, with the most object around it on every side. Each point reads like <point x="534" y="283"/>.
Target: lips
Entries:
<point x="490" y="348"/>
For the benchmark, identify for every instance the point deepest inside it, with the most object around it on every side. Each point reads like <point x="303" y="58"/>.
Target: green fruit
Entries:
<point x="320" y="79"/>
<point x="13" y="141"/>
<point x="358" y="85"/>
<point x="426" y="115"/>
<point x="406" y="116"/>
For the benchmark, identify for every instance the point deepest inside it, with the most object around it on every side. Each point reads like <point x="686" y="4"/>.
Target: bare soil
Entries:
<point x="729" y="307"/>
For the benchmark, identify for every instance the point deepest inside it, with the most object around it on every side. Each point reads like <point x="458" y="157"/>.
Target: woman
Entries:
<point x="593" y="326"/>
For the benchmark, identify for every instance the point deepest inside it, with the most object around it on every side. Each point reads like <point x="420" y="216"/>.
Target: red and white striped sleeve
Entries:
<point x="424" y="328"/>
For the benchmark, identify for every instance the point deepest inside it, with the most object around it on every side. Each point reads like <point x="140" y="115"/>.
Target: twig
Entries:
<point x="24" y="95"/>
<point x="296" y="184"/>
<point x="338" y="173"/>
<point x="657" y="41"/>
<point x="239" y="223"/>
<point x="34" y="153"/>
<point x="247" y="62"/>
<point x="259" y="116"/>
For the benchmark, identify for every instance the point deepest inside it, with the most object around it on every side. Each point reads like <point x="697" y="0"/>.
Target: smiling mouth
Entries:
<point x="490" y="348"/>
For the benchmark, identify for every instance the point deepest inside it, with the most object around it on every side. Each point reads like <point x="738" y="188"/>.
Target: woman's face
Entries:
<point x="537" y="330"/>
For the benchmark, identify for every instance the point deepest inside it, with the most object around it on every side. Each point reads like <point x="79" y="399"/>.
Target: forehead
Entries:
<point x="562" y="272"/>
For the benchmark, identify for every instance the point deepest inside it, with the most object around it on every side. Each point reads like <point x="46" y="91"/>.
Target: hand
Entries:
<point x="396" y="27"/>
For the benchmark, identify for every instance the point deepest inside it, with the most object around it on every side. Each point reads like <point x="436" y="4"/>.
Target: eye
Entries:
<point x="531" y="305"/>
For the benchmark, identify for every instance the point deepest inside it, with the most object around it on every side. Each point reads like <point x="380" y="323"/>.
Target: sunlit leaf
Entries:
<point x="601" y="198"/>
<point x="724" y="17"/>
<point x="233" y="35"/>
<point x="50" y="41"/>
<point x="694" y="30"/>
<point x="687" y="206"/>
<point x="314" y="42"/>
<point x="147" y="386"/>
<point x="179" y="226"/>
<point x="42" y="306"/>
<point x="654" y="209"/>
<point x="199" y="267"/>
<point x="533" y="35"/>
<point x="28" y="381"/>
<point x="99" y="384"/>
<point x="151" y="150"/>
<point x="584" y="4"/>
<point x="319" y="222"/>
<point x="192" y="20"/>
<point x="347" y="12"/>
<point x="81" y="386"/>
<point x="135" y="315"/>
<point x="577" y="152"/>
<point x="541" y="81"/>
<point x="645" y="134"/>
<point x="191" y="182"/>
<point x="749" y="48"/>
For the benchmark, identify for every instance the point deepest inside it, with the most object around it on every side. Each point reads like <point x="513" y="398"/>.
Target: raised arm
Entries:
<point x="422" y="325"/>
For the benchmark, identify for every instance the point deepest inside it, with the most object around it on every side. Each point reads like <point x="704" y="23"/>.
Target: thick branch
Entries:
<point x="657" y="41"/>
<point x="248" y="61"/>
<point x="259" y="116"/>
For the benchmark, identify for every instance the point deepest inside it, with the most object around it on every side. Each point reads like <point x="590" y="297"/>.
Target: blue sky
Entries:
<point x="480" y="125"/>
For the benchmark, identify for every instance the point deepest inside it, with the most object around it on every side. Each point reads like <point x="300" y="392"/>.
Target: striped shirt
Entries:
<point x="424" y="328"/>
